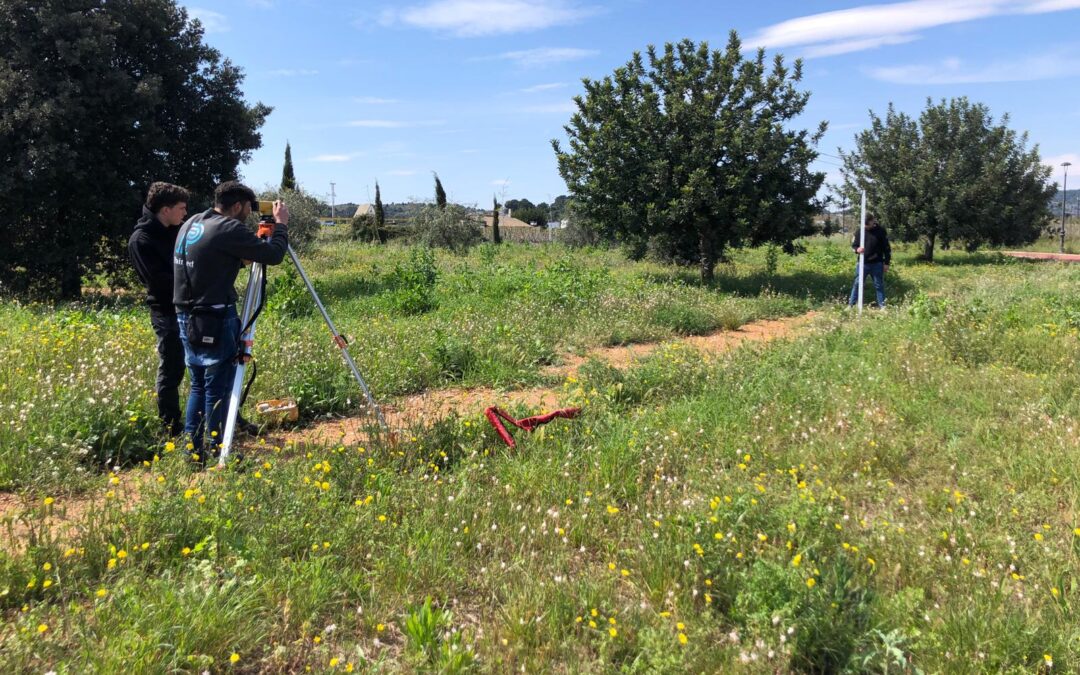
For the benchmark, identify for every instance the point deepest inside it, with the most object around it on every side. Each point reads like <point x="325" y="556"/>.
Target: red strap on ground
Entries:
<point x="528" y="424"/>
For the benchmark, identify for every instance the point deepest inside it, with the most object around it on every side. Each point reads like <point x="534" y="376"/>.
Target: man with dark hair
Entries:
<point x="211" y="248"/>
<point x="877" y="256"/>
<point x="151" y="251"/>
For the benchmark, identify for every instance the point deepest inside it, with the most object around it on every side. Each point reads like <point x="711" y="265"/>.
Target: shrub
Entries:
<point x="286" y="295"/>
<point x="362" y="228"/>
<point x="303" y="215"/>
<point x="450" y="227"/>
<point x="414" y="282"/>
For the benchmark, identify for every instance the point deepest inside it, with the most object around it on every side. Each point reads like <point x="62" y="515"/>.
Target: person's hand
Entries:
<point x="860" y="250"/>
<point x="886" y="269"/>
<point x="281" y="212"/>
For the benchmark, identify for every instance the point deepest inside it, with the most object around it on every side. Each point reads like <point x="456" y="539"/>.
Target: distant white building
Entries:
<point x="365" y="210"/>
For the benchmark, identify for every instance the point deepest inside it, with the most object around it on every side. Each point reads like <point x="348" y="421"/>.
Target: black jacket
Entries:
<point x="877" y="245"/>
<point x="150" y="248"/>
<point x="208" y="254"/>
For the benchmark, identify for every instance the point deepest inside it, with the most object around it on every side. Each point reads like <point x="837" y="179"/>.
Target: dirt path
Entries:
<point x="432" y="405"/>
<point x="1039" y="255"/>
<point x="64" y="518"/>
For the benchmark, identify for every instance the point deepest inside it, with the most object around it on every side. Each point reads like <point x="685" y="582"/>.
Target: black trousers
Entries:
<point x="170" y="368"/>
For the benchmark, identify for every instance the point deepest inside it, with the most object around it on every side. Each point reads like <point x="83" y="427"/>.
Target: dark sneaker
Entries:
<point x="245" y="427"/>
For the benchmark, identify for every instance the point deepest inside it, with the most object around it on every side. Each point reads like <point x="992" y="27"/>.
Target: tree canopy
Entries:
<point x="693" y="152"/>
<point x="955" y="175"/>
<point x="100" y="100"/>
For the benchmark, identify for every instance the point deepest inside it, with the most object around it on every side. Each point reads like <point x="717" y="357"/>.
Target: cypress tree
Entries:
<point x="288" y="178"/>
<point x="495" y="221"/>
<point x="380" y="217"/>
<point x="440" y="193"/>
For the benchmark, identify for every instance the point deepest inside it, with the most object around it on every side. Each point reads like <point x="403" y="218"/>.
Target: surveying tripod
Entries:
<point x="254" y="298"/>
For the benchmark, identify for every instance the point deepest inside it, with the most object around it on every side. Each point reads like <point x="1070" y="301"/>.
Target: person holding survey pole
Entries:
<point x="877" y="256"/>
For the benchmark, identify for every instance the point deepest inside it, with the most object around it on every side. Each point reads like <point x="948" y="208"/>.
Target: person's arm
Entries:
<point x="886" y="252"/>
<point x="136" y="254"/>
<point x="242" y="243"/>
<point x="156" y="275"/>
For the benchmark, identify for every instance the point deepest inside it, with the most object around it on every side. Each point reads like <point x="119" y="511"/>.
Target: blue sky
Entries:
<point x="475" y="89"/>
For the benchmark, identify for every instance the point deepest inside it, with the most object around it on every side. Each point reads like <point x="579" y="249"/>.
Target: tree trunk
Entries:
<point x="70" y="282"/>
<point x="928" y="248"/>
<point x="707" y="254"/>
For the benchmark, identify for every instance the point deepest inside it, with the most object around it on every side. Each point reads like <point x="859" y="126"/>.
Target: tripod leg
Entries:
<point x="339" y="341"/>
<point x="251" y="301"/>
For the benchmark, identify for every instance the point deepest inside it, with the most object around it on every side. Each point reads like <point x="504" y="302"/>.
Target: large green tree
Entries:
<point x="101" y="98"/>
<point x="694" y="152"/>
<point x="955" y="175"/>
<point x="288" y="176"/>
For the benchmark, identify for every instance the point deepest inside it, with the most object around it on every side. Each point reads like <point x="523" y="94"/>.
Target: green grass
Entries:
<point x="77" y="379"/>
<point x="878" y="495"/>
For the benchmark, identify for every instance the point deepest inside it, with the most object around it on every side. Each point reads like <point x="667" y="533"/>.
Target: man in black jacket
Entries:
<point x="878" y="255"/>
<point x="210" y="250"/>
<point x="151" y="250"/>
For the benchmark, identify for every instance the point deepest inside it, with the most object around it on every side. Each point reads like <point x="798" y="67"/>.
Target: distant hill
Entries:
<point x="1072" y="202"/>
<point x="340" y="210"/>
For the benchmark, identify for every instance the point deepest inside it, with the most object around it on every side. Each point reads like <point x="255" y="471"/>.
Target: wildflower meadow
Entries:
<point x="890" y="493"/>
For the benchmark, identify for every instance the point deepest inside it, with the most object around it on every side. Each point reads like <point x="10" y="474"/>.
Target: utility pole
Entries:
<point x="1064" y="191"/>
<point x="332" y="196"/>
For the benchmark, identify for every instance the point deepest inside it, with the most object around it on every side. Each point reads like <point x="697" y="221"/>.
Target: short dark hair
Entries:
<point x="162" y="194"/>
<point x="232" y="192"/>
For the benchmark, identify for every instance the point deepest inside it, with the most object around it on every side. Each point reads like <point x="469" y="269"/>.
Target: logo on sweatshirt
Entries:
<point x="194" y="234"/>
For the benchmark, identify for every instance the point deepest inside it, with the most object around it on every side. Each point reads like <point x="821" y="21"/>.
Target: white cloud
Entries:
<point x="403" y="172"/>
<point x="1058" y="176"/>
<point x="847" y="47"/>
<point x="870" y="26"/>
<point x="212" y="22"/>
<point x="391" y="124"/>
<point x="1040" y="6"/>
<point x="292" y="72"/>
<point x="536" y="88"/>
<point x="374" y="100"/>
<point x="501" y="182"/>
<point x="1047" y="66"/>
<point x="336" y="158"/>
<point x="559" y="108"/>
<point x="352" y="63"/>
<point x="474" y="18"/>
<point x="542" y="56"/>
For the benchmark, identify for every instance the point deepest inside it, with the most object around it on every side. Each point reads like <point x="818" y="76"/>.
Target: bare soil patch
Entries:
<point x="426" y="407"/>
<point x="1038" y="255"/>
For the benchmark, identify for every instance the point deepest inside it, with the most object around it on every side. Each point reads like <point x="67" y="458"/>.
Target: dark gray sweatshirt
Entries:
<point x="209" y="252"/>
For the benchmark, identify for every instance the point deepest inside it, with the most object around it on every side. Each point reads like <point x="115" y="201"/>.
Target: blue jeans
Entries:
<point x="212" y="373"/>
<point x="876" y="270"/>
